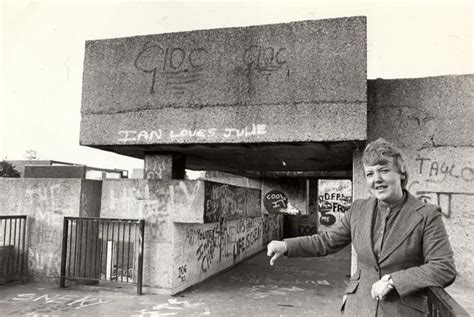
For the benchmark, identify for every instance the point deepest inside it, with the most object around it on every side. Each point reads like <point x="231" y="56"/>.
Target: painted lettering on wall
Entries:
<point x="153" y="202"/>
<point x="176" y="66"/>
<point x="272" y="228"/>
<point x="156" y="170"/>
<point x="182" y="272"/>
<point x="264" y="59"/>
<point x="442" y="179"/>
<point x="150" y="136"/>
<point x="440" y="171"/>
<point x="334" y="199"/>
<point x="230" y="202"/>
<point x="444" y="199"/>
<point x="223" y="241"/>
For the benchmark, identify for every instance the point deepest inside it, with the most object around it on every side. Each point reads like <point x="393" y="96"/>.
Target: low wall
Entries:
<point x="201" y="251"/>
<point x="45" y="202"/>
<point x="193" y="229"/>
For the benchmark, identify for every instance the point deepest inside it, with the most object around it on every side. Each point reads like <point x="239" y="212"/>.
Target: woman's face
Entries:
<point x="384" y="182"/>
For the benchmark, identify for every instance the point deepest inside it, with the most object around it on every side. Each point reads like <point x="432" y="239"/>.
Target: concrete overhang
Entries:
<point x="274" y="97"/>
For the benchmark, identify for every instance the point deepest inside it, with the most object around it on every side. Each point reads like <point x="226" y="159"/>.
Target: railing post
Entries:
<point x="64" y="254"/>
<point x="141" y="240"/>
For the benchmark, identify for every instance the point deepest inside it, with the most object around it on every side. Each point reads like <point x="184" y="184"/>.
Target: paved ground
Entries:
<point x="294" y="287"/>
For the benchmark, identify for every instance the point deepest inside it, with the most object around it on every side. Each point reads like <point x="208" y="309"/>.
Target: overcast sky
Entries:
<point x="42" y="51"/>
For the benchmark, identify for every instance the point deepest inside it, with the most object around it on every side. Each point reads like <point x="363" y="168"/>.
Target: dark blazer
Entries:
<point x="416" y="255"/>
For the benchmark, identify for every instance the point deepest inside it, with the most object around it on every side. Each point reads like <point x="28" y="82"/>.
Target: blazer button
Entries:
<point x="376" y="269"/>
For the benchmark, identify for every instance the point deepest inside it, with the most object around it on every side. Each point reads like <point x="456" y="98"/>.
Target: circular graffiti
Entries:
<point x="327" y="219"/>
<point x="274" y="201"/>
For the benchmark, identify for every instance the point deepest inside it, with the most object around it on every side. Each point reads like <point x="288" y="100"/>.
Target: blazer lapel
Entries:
<point x="365" y="228"/>
<point x="406" y="222"/>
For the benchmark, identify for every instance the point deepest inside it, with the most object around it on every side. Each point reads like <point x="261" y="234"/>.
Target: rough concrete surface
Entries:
<point x="299" y="81"/>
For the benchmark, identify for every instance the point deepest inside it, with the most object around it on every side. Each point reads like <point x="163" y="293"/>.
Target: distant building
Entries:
<point x="57" y="169"/>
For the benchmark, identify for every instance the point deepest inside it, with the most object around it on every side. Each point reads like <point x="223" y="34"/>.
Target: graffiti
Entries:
<point x="177" y="66"/>
<point x="272" y="225"/>
<point x="44" y="260"/>
<point x="172" y="308"/>
<point x="46" y="202"/>
<point x="46" y="235"/>
<point x="156" y="172"/>
<point x="230" y="202"/>
<point x="308" y="230"/>
<point x="441" y="198"/>
<point x="274" y="201"/>
<point x="439" y="171"/>
<point x="182" y="272"/>
<point x="143" y="136"/>
<point x="206" y="248"/>
<point x="222" y="241"/>
<point x="127" y="136"/>
<point x="334" y="199"/>
<point x="251" y="130"/>
<point x="264" y="59"/>
<point x="84" y="203"/>
<point x="153" y="198"/>
<point x="55" y="303"/>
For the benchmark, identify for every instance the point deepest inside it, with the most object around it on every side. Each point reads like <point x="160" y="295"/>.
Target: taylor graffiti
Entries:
<point x="439" y="171"/>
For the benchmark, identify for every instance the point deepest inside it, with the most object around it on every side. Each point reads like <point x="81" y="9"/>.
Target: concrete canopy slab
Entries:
<point x="294" y="82"/>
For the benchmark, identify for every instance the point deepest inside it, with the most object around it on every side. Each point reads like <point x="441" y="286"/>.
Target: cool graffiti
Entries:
<point x="149" y="136"/>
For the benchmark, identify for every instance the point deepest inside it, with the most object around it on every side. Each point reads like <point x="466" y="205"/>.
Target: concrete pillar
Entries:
<point x="164" y="166"/>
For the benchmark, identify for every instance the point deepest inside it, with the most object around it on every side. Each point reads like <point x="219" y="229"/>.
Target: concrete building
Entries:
<point x="287" y="108"/>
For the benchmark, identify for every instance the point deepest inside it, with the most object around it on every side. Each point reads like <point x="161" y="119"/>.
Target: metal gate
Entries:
<point x="102" y="249"/>
<point x="12" y="247"/>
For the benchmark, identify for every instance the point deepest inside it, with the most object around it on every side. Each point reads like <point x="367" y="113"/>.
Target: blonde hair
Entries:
<point x="381" y="151"/>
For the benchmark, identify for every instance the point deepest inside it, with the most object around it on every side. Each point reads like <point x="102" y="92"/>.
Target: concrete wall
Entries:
<point x="182" y="247"/>
<point x="45" y="202"/>
<point x="201" y="251"/>
<point x="299" y="81"/>
<point x="431" y="119"/>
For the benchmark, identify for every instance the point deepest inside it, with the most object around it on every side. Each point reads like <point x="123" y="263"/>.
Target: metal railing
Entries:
<point x="12" y="246"/>
<point x="102" y="249"/>
<point x="441" y="304"/>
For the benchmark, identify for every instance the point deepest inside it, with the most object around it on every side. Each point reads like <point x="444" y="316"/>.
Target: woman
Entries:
<point x="401" y="243"/>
